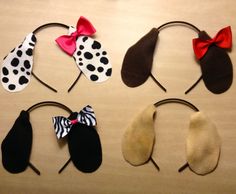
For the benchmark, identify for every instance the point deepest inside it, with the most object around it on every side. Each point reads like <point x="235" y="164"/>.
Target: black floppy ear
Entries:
<point x="216" y="66"/>
<point x="138" y="60"/>
<point x="16" y="147"/>
<point x="85" y="147"/>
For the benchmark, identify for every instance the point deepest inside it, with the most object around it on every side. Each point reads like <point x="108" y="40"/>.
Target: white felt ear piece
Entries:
<point x="139" y="138"/>
<point x="17" y="66"/>
<point x="203" y="144"/>
<point x="91" y="58"/>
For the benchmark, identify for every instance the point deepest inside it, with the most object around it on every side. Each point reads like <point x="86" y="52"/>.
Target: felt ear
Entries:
<point x="84" y="147"/>
<point x="17" y="65"/>
<point x="203" y="144"/>
<point x="138" y="60"/>
<point x="92" y="59"/>
<point x="216" y="66"/>
<point x="16" y="147"/>
<point x="139" y="138"/>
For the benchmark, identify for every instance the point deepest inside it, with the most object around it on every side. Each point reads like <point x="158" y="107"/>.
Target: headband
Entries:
<point x="83" y="140"/>
<point x="202" y="143"/>
<point x="216" y="66"/>
<point x="88" y="53"/>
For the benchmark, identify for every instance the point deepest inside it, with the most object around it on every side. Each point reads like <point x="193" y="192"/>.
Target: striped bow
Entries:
<point x="62" y="125"/>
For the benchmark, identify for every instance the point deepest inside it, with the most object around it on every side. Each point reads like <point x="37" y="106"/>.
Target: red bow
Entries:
<point x="222" y="39"/>
<point x="68" y="42"/>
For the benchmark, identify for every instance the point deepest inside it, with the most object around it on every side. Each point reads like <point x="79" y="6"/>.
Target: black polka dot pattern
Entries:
<point x="108" y="73"/>
<point x="5" y="71"/>
<point x="104" y="60"/>
<point x="85" y="38"/>
<point x="79" y="53"/>
<point x="27" y="64"/>
<point x="19" y="53"/>
<point x="92" y="59"/>
<point x="15" y="71"/>
<point x="11" y="87"/>
<point x="23" y="80"/>
<point x="94" y="77"/>
<point x="90" y="67"/>
<point x="15" y="62"/>
<point x="100" y="69"/>
<point x="29" y="52"/>
<point x="5" y="79"/>
<point x="96" y="45"/>
<point x="88" y="55"/>
<point x="33" y="38"/>
<point x="17" y="65"/>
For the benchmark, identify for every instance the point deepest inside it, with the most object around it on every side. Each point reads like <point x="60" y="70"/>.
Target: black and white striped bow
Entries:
<point x="62" y="125"/>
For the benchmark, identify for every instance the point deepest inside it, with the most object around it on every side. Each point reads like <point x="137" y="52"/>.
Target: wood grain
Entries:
<point x="119" y="24"/>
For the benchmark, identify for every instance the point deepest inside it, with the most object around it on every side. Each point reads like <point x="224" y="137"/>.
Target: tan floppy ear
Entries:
<point x="137" y="63"/>
<point x="203" y="144"/>
<point x="139" y="138"/>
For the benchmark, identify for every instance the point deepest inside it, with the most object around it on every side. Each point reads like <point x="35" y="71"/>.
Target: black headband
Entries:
<point x="88" y="53"/>
<point x="83" y="140"/>
<point x="217" y="72"/>
<point x="139" y="139"/>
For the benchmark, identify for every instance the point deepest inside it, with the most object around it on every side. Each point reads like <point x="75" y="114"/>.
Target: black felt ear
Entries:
<point x="216" y="66"/>
<point x="16" y="147"/>
<point x="85" y="147"/>
<point x="137" y="63"/>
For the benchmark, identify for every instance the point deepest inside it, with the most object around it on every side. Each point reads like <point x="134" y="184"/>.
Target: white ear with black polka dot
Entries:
<point x="17" y="65"/>
<point x="92" y="59"/>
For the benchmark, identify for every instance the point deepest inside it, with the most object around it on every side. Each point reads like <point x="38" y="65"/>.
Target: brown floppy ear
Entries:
<point x="138" y="59"/>
<point x="216" y="66"/>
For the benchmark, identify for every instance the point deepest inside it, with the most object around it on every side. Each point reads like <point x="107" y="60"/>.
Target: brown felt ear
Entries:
<point x="138" y="140"/>
<point x="203" y="144"/>
<point x="138" y="60"/>
<point x="216" y="66"/>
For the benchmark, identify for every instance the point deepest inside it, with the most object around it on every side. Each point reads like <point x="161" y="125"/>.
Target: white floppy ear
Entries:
<point x="139" y="138"/>
<point x="92" y="59"/>
<point x="17" y="65"/>
<point x="203" y="144"/>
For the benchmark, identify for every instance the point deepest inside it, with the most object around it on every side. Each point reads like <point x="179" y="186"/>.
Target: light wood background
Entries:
<point x="119" y="24"/>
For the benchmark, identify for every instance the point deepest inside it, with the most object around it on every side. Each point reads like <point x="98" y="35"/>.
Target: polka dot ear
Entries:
<point x="203" y="144"/>
<point x="138" y="140"/>
<point x="16" y="147"/>
<point x="92" y="59"/>
<point x="84" y="147"/>
<point x="138" y="60"/>
<point x="216" y="66"/>
<point x="17" y="65"/>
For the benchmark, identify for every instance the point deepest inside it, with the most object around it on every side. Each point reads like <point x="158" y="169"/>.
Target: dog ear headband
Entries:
<point x="216" y="66"/>
<point x="89" y="55"/>
<point x="202" y="143"/>
<point x="83" y="140"/>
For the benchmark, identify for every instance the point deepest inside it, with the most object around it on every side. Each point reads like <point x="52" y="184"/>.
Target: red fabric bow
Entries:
<point x="222" y="39"/>
<point x="68" y="42"/>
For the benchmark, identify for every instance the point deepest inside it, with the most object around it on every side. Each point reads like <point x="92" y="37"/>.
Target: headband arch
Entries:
<point x="216" y="66"/>
<point x="139" y="139"/>
<point x="90" y="57"/>
<point x="16" y="146"/>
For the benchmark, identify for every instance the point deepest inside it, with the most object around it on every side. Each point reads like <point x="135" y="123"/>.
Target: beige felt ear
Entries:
<point x="138" y="140"/>
<point x="203" y="144"/>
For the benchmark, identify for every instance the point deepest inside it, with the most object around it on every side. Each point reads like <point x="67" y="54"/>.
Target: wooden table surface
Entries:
<point x="119" y="24"/>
